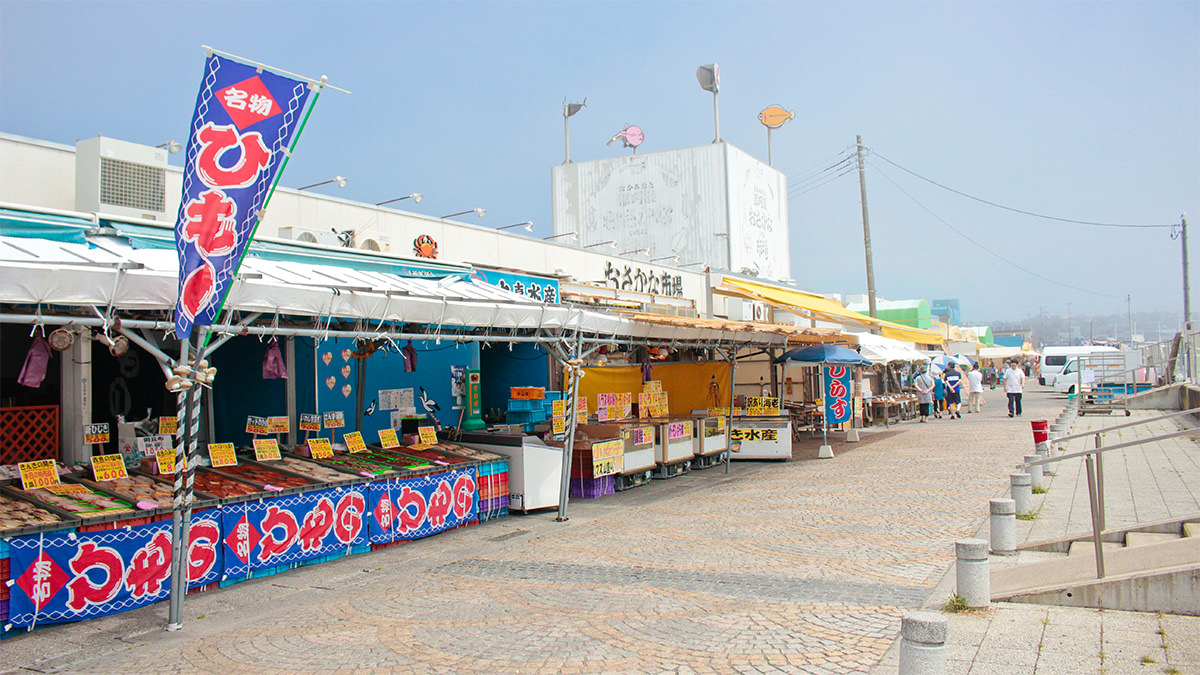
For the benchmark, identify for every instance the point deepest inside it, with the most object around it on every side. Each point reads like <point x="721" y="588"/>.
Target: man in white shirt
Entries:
<point x="974" y="389"/>
<point x="1014" y="385"/>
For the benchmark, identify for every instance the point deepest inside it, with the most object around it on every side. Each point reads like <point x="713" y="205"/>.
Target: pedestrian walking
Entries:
<point x="953" y="383"/>
<point x="1014" y="385"/>
<point x="924" y="386"/>
<point x="974" y="389"/>
<point x="939" y="397"/>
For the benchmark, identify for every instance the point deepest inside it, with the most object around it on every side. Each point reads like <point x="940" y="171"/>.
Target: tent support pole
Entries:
<point x="729" y="423"/>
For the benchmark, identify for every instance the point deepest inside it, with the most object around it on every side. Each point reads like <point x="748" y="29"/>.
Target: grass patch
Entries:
<point x="1171" y="670"/>
<point x="1147" y="660"/>
<point x="955" y="604"/>
<point x="1027" y="516"/>
<point x="1038" y="490"/>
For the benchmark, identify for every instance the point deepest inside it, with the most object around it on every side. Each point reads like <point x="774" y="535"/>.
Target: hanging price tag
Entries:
<point x="108" y="467"/>
<point x="335" y="419"/>
<point x="256" y="425"/>
<point x="266" y="450"/>
<point x="559" y="425"/>
<point x="388" y="439"/>
<point x="354" y="442"/>
<point x="221" y="454"/>
<point x="581" y="410"/>
<point x="558" y="408"/>
<point x="320" y="448"/>
<point x="168" y="426"/>
<point x="38" y="473"/>
<point x="428" y="435"/>
<point x="95" y="433"/>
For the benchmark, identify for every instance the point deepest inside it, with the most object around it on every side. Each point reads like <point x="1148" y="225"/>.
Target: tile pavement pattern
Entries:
<point x="797" y="567"/>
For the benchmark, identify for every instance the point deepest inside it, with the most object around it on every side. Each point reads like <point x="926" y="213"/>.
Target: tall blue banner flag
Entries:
<point x="837" y="394"/>
<point x="243" y="126"/>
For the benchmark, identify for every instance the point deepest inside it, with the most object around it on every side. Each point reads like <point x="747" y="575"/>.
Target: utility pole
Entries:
<point x="1129" y="304"/>
<point x="1187" y="286"/>
<point x="1069" y="331"/>
<point x="1041" y="343"/>
<point x="862" y="190"/>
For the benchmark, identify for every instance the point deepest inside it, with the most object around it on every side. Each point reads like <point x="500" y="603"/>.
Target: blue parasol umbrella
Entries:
<point x="824" y="353"/>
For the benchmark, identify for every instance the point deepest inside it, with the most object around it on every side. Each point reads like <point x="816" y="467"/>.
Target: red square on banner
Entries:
<point x="43" y="580"/>
<point x="248" y="102"/>
<point x="242" y="539"/>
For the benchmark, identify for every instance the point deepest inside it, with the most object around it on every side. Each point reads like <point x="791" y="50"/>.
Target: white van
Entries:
<point x="1054" y="358"/>
<point x="1106" y="369"/>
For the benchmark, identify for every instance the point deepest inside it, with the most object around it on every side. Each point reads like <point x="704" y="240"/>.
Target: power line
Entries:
<point x="1009" y="208"/>
<point x="800" y="183"/>
<point x="803" y="190"/>
<point x="985" y="248"/>
<point x="824" y="164"/>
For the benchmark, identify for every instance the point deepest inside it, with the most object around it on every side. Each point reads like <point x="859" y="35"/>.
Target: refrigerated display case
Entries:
<point x="761" y="437"/>
<point x="534" y="468"/>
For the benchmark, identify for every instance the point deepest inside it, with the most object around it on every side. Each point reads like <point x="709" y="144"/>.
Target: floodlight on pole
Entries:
<point x="416" y="197"/>
<point x="172" y="146"/>
<point x="479" y="211"/>
<point x="570" y="109"/>
<point x="528" y="225"/>
<point x="608" y="242"/>
<point x="340" y="180"/>
<point x="709" y="78"/>
<point x="573" y="235"/>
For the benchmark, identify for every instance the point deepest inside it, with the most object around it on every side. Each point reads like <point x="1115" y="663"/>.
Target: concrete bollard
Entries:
<point x="1002" y="526"/>
<point x="923" y="643"/>
<point x="972" y="581"/>
<point x="1036" y="480"/>
<point x="1021" y="489"/>
<point x="1042" y="447"/>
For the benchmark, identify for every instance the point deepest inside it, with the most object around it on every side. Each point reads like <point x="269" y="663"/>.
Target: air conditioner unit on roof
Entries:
<point x="120" y="178"/>
<point x="311" y="236"/>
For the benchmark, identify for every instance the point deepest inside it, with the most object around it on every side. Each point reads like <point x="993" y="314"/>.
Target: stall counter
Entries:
<point x="761" y="437"/>
<point x="534" y="468"/>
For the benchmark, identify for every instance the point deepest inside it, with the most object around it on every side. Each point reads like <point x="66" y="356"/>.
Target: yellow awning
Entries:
<point x="823" y="309"/>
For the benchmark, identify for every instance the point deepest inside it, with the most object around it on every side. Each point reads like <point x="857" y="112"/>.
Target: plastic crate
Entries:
<point x="389" y="544"/>
<point x="555" y="395"/>
<point x="524" y="404"/>
<point x="591" y="488"/>
<point x="493" y="515"/>
<point x="360" y="548"/>
<point x="3" y="548"/>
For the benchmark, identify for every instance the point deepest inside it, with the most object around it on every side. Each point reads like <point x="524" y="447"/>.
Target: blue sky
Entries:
<point x="1081" y="110"/>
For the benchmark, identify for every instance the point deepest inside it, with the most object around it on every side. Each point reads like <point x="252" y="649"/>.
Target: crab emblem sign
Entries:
<point x="244" y="122"/>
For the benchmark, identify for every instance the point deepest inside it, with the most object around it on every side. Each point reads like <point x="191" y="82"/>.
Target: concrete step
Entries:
<point x="1191" y="529"/>
<point x="1079" y="548"/>
<point x="1161" y="577"/>
<point x="1146" y="538"/>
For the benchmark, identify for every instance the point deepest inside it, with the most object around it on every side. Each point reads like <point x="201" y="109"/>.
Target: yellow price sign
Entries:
<point x="354" y="442"/>
<point x="165" y="457"/>
<point x="558" y="408"/>
<point x="266" y="450"/>
<point x="281" y="424"/>
<point x="39" y="473"/>
<point x="168" y="426"/>
<point x="388" y="439"/>
<point x="221" y="454"/>
<point x="108" y="467"/>
<point x="319" y="448"/>
<point x="559" y="425"/>
<point x="428" y="435"/>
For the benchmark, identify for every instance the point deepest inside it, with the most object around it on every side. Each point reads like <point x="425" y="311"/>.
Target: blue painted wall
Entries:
<point x="525" y="366"/>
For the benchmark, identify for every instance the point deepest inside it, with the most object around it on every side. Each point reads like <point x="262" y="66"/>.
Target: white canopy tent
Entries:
<point x="881" y="349"/>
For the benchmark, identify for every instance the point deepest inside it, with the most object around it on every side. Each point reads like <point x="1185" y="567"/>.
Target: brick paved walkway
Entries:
<point x="797" y="567"/>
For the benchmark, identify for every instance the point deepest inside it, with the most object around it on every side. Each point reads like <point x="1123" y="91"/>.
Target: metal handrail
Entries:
<point x="1189" y="411"/>
<point x="1095" y="474"/>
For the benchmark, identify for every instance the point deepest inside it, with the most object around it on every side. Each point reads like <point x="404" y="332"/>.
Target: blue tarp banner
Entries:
<point x="70" y="576"/>
<point x="242" y="128"/>
<point x="411" y="508"/>
<point x="264" y="533"/>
